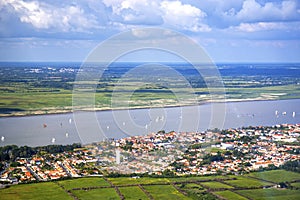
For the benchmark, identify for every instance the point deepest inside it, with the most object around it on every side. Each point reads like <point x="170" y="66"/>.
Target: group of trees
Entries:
<point x="11" y="152"/>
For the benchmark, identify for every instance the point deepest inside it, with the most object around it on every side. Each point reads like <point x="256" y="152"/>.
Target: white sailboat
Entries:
<point x="276" y="112"/>
<point x="70" y="121"/>
<point x="294" y="114"/>
<point x="2" y="139"/>
<point x="53" y="140"/>
<point x="67" y="134"/>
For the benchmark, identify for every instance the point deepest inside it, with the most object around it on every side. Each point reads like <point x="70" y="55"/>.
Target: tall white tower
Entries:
<point x="117" y="153"/>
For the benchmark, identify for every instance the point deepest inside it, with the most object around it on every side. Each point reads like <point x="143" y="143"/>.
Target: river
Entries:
<point x="86" y="127"/>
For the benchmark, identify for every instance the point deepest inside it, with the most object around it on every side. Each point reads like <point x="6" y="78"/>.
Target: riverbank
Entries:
<point x="67" y="110"/>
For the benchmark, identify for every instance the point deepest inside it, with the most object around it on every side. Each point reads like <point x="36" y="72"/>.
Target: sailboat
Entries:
<point x="67" y="134"/>
<point x="294" y="114"/>
<point x="70" y="121"/>
<point x="2" y="139"/>
<point x="53" y="140"/>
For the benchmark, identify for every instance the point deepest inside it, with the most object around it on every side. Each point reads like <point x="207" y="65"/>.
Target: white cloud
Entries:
<point x="253" y="11"/>
<point x="184" y="16"/>
<point x="267" y="26"/>
<point x="172" y="14"/>
<point x="45" y="16"/>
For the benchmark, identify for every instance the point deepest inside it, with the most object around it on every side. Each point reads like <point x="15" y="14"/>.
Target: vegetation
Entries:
<point x="133" y="192"/>
<point x="245" y="182"/>
<point x="227" y="194"/>
<point x="11" y="152"/>
<point x="164" y="192"/>
<point x="41" y="88"/>
<point x="277" y="176"/>
<point x="198" y="187"/>
<point x="215" y="185"/>
<point x="83" y="183"/>
<point x="103" y="194"/>
<point x="39" y="191"/>
<point x="272" y="193"/>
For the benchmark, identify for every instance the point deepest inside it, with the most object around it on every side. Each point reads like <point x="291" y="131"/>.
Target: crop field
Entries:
<point x="34" y="191"/>
<point x="201" y="187"/>
<point x="227" y="194"/>
<point x="23" y="91"/>
<point x="215" y="185"/>
<point x="164" y="192"/>
<point x="272" y="193"/>
<point x="126" y="180"/>
<point x="103" y="194"/>
<point x="277" y="176"/>
<point x="133" y="192"/>
<point x="83" y="183"/>
<point x="245" y="182"/>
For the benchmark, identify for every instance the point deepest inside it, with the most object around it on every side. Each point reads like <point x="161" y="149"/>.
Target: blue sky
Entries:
<point x="229" y="30"/>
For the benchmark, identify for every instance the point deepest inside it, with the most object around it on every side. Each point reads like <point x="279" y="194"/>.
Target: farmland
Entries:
<point x="203" y="187"/>
<point x="43" y="88"/>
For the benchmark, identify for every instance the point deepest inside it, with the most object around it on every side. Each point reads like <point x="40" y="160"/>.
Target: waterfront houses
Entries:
<point x="199" y="153"/>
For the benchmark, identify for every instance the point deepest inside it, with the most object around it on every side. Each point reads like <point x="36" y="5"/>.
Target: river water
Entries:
<point x="86" y="127"/>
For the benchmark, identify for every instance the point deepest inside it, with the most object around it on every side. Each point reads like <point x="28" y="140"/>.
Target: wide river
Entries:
<point x="86" y="127"/>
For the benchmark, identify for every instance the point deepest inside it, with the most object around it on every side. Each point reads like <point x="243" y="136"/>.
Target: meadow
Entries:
<point x="44" y="89"/>
<point x="199" y="187"/>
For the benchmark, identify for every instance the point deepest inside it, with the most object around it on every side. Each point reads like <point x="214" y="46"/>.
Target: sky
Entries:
<point x="228" y="30"/>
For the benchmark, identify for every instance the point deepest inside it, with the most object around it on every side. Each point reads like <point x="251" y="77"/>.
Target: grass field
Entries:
<point x="42" y="191"/>
<point x="133" y="192"/>
<point x="164" y="192"/>
<point x="198" y="178"/>
<point x="277" y="176"/>
<point x="245" y="182"/>
<point x="128" y="180"/>
<point x="297" y="185"/>
<point x="271" y="194"/>
<point x="230" y="195"/>
<point x="158" y="188"/>
<point x="215" y="185"/>
<point x="99" y="194"/>
<point x="83" y="183"/>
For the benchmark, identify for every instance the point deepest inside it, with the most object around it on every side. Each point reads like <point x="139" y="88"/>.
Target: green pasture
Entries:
<point x="227" y="194"/>
<point x="166" y="192"/>
<point x="277" y="176"/>
<point x="83" y="183"/>
<point x="133" y="193"/>
<point x="215" y="185"/>
<point x="37" y="191"/>
<point x="271" y="194"/>
<point x="246" y="182"/>
<point x="99" y="194"/>
<point x="136" y="181"/>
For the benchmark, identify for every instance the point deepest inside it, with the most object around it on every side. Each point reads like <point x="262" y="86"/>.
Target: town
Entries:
<point x="231" y="151"/>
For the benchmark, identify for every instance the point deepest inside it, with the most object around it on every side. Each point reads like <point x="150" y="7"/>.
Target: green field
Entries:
<point x="271" y="194"/>
<point x="164" y="192"/>
<point x="105" y="194"/>
<point x="277" y="176"/>
<point x="198" y="178"/>
<point x="215" y="185"/>
<point x="227" y="194"/>
<point x="245" y="182"/>
<point x="133" y="192"/>
<point x="34" y="191"/>
<point x="128" y="180"/>
<point x="201" y="187"/>
<point x="83" y="183"/>
<point x="297" y="185"/>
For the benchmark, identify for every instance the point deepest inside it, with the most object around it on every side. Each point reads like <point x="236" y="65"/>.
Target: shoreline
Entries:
<point x="70" y="111"/>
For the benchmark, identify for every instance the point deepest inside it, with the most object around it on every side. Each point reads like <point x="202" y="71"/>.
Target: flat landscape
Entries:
<point x="206" y="187"/>
<point x="44" y="88"/>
